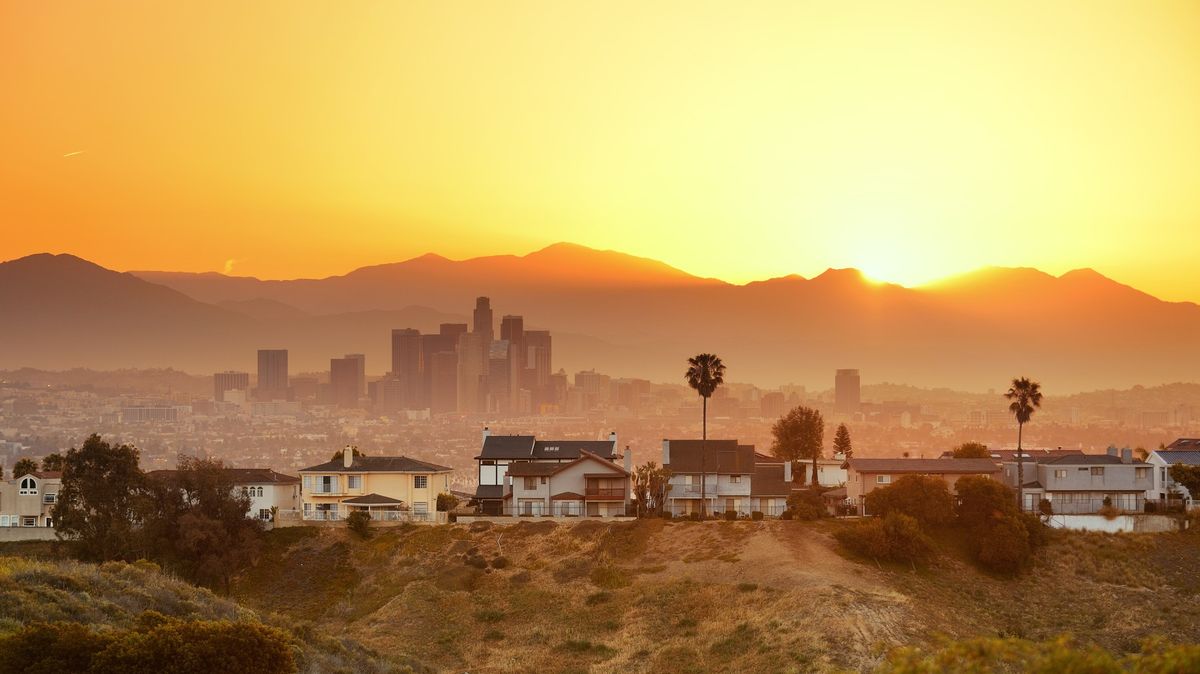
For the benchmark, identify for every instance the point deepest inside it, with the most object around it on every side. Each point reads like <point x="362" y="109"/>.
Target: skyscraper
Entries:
<point x="442" y="367"/>
<point x="847" y="393"/>
<point x="483" y="319"/>
<point x="407" y="357"/>
<point x="472" y="371"/>
<point x="229" y="381"/>
<point x="272" y="374"/>
<point x="361" y="376"/>
<point x="537" y="355"/>
<point x="344" y="380"/>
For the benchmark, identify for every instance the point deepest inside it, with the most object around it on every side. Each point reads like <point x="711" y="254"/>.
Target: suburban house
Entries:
<point x="728" y="468"/>
<point x="1079" y="484"/>
<point x="771" y="485"/>
<point x="866" y="475"/>
<point x="266" y="488"/>
<point x="500" y="452"/>
<point x="26" y="501"/>
<point x="389" y="488"/>
<point x="590" y="485"/>
<point x="1165" y="490"/>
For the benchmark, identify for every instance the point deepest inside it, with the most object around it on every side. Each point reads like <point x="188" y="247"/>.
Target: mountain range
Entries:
<point x="619" y="314"/>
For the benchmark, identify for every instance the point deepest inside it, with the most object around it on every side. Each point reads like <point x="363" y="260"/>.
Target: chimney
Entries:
<point x="787" y="472"/>
<point x="348" y="456"/>
<point x="486" y="432"/>
<point x="666" y="452"/>
<point x="1112" y="451"/>
<point x="628" y="459"/>
<point x="1127" y="455"/>
<point x="612" y="437"/>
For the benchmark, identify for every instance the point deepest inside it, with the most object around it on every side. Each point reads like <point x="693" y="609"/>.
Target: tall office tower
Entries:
<point x="407" y="356"/>
<point x="272" y="374"/>
<point x="229" y="381"/>
<point x="847" y="393"/>
<point x="537" y="355"/>
<point x="497" y="379"/>
<point x="452" y="330"/>
<point x="483" y="318"/>
<point x="512" y="328"/>
<point x="343" y="381"/>
<point x="472" y="371"/>
<point x="442" y="367"/>
<point x="361" y="383"/>
<point x="512" y="331"/>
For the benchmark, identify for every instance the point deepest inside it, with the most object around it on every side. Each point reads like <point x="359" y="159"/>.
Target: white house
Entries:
<point x="27" y="501"/>
<point x="266" y="488"/>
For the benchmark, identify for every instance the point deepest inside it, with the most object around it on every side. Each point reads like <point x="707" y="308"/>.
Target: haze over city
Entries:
<point x="619" y="337"/>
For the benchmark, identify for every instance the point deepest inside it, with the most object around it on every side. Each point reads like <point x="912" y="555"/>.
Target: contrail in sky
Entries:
<point x="74" y="154"/>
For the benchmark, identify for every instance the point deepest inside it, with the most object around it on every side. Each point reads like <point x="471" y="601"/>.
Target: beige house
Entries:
<point x="589" y="486"/>
<point x="866" y="475"/>
<point x="27" y="501"/>
<point x="390" y="488"/>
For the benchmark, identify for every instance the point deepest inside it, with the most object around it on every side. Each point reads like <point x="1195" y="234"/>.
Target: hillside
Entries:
<point x="654" y="596"/>
<point x="114" y="595"/>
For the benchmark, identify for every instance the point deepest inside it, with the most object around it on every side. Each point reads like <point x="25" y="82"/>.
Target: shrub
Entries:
<point x="446" y="502"/>
<point x="359" y="522"/>
<point x="730" y="515"/>
<point x="921" y="497"/>
<point x="756" y="515"/>
<point x="500" y="563"/>
<point x="476" y="561"/>
<point x="894" y="538"/>
<point x="1107" y="510"/>
<point x="1037" y="530"/>
<point x="982" y="501"/>
<point x="1107" y="502"/>
<point x="786" y="515"/>
<point x="1004" y="546"/>
<point x="1045" y="507"/>
<point x="807" y="504"/>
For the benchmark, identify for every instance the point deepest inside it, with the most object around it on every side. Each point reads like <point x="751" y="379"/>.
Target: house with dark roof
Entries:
<point x="591" y="486"/>
<point x="771" y="484"/>
<point x="868" y="474"/>
<point x="389" y="488"/>
<point x="717" y="473"/>
<point x="1081" y="484"/>
<point x="500" y="452"/>
<point x="270" y="492"/>
<point x="1184" y="445"/>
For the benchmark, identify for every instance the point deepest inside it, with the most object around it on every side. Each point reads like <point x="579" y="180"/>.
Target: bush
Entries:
<point x="359" y="522"/>
<point x="982" y="500"/>
<point x="500" y="563"/>
<point x="1060" y="655"/>
<point x="1045" y="507"/>
<point x="1107" y="501"/>
<point x="1004" y="546"/>
<point x="894" y="538"/>
<point x="756" y="515"/>
<point x="807" y="504"/>
<point x="446" y="502"/>
<point x="921" y="497"/>
<point x="730" y="515"/>
<point x="785" y="515"/>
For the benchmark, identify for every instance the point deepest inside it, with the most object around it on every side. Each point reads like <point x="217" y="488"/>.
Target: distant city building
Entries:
<point x="407" y="356"/>
<point x="483" y="324"/>
<point x="229" y="381"/>
<point x="847" y="392"/>
<point x="472" y="371"/>
<point x="272" y="374"/>
<point x="344" y="380"/>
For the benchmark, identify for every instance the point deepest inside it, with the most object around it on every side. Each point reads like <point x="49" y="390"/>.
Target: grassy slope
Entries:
<point x="115" y="594"/>
<point x="690" y="597"/>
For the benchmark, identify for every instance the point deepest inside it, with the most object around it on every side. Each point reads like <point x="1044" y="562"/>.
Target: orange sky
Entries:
<point x="739" y="140"/>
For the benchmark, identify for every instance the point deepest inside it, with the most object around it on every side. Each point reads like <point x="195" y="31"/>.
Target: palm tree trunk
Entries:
<point x="1020" y="470"/>
<point x="703" y="446"/>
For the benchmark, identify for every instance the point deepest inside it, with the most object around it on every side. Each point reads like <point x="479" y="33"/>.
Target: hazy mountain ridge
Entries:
<point x="629" y="316"/>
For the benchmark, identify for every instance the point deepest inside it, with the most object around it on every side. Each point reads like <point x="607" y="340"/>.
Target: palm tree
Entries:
<point x="1026" y="397"/>
<point x="705" y="373"/>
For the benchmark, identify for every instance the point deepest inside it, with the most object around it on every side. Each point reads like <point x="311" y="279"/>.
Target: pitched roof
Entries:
<point x="240" y="476"/>
<point x="1184" y="444"/>
<point x="47" y="474"/>
<point x="567" y="496"/>
<point x="537" y="468"/>
<point x="489" y="491"/>
<point x="1010" y="455"/>
<point x="1181" y="456"/>
<point x="934" y="466"/>
<point x="529" y="447"/>
<point x="768" y="481"/>
<point x="373" y="499"/>
<point x="378" y="464"/>
<point x="1089" y="460"/>
<point x="724" y="457"/>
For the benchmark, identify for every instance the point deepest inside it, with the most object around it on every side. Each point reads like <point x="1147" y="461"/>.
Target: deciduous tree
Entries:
<point x="972" y="450"/>
<point x="97" y="506"/>
<point x="799" y="435"/>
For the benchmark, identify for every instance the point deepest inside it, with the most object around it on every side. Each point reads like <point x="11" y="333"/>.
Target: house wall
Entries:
<point x="570" y="479"/>
<point x="394" y="485"/>
<point x="1122" y="476"/>
<point x="280" y="496"/>
<point x="14" y="506"/>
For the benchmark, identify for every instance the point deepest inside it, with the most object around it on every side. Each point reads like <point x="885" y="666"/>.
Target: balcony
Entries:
<point x="604" y="494"/>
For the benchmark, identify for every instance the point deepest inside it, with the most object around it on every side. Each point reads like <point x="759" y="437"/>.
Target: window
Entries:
<point x="29" y="521"/>
<point x="260" y="492"/>
<point x="1097" y="471"/>
<point x="883" y="479"/>
<point x="1060" y="474"/>
<point x="28" y="487"/>
<point x="421" y="507"/>
<point x="354" y="482"/>
<point x="3" y="520"/>
<point x="735" y="478"/>
<point x="325" y="484"/>
<point x="49" y="498"/>
<point x="1141" y="473"/>
<point x="530" y="483"/>
<point x="420" y="481"/>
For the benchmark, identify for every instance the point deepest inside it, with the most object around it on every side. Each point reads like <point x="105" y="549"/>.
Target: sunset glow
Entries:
<point x="912" y="140"/>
